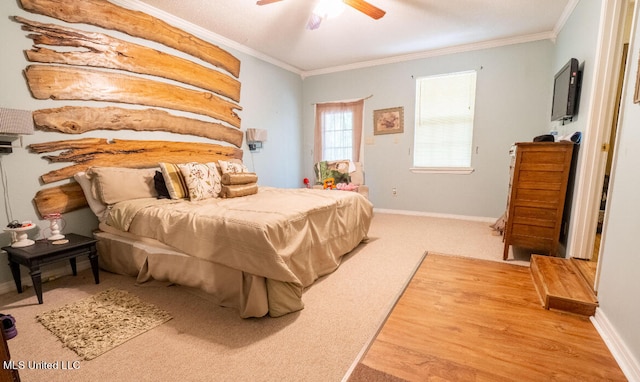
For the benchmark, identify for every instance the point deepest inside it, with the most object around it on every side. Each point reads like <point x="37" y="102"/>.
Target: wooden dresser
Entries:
<point x="538" y="188"/>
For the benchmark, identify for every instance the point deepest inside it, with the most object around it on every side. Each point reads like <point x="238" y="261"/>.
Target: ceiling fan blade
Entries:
<point x="265" y="2"/>
<point x="366" y="8"/>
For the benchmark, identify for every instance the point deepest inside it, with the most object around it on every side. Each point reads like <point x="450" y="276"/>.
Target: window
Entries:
<point x="337" y="135"/>
<point x="338" y="131"/>
<point x="444" y="122"/>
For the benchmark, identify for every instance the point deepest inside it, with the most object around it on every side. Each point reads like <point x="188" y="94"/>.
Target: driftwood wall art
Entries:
<point x="138" y="24"/>
<point x="107" y="52"/>
<point x="64" y="83"/>
<point x="88" y="152"/>
<point x="66" y="198"/>
<point x="72" y="64"/>
<point x="80" y="119"/>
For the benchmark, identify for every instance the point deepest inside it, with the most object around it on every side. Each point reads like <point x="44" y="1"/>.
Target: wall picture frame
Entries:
<point x="388" y="121"/>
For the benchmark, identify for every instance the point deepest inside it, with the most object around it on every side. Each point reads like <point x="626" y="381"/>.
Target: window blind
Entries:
<point x="445" y="106"/>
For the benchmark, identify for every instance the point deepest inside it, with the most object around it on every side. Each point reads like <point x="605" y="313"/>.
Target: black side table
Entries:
<point x="45" y="252"/>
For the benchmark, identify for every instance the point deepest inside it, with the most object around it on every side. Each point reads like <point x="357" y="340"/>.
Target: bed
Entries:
<point x="253" y="251"/>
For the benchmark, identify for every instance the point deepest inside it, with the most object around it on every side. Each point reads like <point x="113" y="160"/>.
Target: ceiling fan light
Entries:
<point x="314" y="22"/>
<point x="327" y="9"/>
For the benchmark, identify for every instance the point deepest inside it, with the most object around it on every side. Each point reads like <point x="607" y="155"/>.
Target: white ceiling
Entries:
<point x="410" y="28"/>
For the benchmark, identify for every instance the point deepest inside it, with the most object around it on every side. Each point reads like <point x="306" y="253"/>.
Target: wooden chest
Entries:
<point x="538" y="188"/>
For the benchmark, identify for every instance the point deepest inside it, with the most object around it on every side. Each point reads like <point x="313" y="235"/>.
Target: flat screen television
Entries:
<point x="565" y="91"/>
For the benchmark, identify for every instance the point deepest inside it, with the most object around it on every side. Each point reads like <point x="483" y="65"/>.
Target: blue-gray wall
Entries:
<point x="270" y="98"/>
<point x="513" y="102"/>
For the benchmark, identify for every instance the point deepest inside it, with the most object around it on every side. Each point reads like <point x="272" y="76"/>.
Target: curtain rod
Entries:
<point x="349" y="100"/>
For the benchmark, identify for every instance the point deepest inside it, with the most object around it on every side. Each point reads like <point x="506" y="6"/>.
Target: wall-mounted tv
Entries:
<point x="565" y="91"/>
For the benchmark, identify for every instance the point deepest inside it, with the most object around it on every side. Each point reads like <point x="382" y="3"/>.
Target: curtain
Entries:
<point x="334" y="120"/>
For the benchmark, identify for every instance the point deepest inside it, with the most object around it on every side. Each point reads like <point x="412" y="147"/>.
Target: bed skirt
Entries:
<point x="155" y="261"/>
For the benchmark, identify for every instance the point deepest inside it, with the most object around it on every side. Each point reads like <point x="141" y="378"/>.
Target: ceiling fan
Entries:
<point x="317" y="16"/>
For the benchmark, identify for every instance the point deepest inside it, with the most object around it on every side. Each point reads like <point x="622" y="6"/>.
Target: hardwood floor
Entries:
<point x="463" y="319"/>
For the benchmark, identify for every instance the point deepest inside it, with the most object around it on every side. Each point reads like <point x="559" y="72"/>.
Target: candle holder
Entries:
<point x="54" y="226"/>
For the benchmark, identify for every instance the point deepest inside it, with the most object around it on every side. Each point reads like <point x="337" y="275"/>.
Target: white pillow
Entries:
<point x="202" y="180"/>
<point x="96" y="206"/>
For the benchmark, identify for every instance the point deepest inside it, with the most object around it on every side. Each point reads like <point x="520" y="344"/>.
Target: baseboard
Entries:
<point x="629" y="365"/>
<point x="435" y="215"/>
<point x="62" y="269"/>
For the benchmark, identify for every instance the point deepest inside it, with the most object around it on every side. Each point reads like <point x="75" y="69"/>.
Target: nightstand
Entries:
<point x="44" y="252"/>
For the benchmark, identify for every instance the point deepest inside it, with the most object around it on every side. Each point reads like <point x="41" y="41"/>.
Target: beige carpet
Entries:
<point x="204" y="342"/>
<point x="97" y="324"/>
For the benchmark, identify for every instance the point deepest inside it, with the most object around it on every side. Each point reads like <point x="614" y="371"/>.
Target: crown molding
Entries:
<point x="228" y="43"/>
<point x="435" y="52"/>
<point x="568" y="10"/>
<point x="203" y="33"/>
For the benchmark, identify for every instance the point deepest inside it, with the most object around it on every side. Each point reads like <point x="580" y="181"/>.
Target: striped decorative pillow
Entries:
<point x="174" y="180"/>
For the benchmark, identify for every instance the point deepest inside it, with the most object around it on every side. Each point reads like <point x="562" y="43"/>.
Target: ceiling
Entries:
<point x="410" y="28"/>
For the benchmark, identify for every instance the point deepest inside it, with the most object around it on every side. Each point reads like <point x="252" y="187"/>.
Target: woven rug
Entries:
<point x="99" y="323"/>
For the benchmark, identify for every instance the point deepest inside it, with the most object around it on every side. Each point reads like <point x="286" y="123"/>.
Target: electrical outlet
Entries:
<point x="394" y="192"/>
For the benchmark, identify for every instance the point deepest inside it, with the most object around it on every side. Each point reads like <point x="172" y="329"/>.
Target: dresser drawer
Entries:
<point x="537" y="195"/>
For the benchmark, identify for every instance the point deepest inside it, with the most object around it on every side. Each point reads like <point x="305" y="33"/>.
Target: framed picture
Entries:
<point x="388" y="121"/>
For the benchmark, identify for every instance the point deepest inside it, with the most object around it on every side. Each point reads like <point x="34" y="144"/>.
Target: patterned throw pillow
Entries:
<point x="229" y="167"/>
<point x="202" y="180"/>
<point x="174" y="181"/>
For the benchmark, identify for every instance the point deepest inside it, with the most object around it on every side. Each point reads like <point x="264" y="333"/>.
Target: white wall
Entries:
<point x="619" y="284"/>
<point x="578" y="39"/>
<point x="270" y="98"/>
<point x="513" y="103"/>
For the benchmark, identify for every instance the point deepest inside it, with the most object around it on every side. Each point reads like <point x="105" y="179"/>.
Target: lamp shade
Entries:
<point x="14" y="121"/>
<point x="256" y="135"/>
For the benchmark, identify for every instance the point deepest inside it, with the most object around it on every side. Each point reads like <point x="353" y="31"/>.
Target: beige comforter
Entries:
<point x="289" y="236"/>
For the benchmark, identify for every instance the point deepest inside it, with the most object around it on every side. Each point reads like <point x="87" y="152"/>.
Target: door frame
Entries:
<point x="592" y="163"/>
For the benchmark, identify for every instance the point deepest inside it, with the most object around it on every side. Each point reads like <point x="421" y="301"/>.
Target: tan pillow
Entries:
<point x="239" y="178"/>
<point x="238" y="190"/>
<point x="94" y="203"/>
<point x="116" y="184"/>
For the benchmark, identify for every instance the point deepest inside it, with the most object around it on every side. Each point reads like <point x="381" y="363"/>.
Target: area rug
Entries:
<point x="99" y="323"/>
